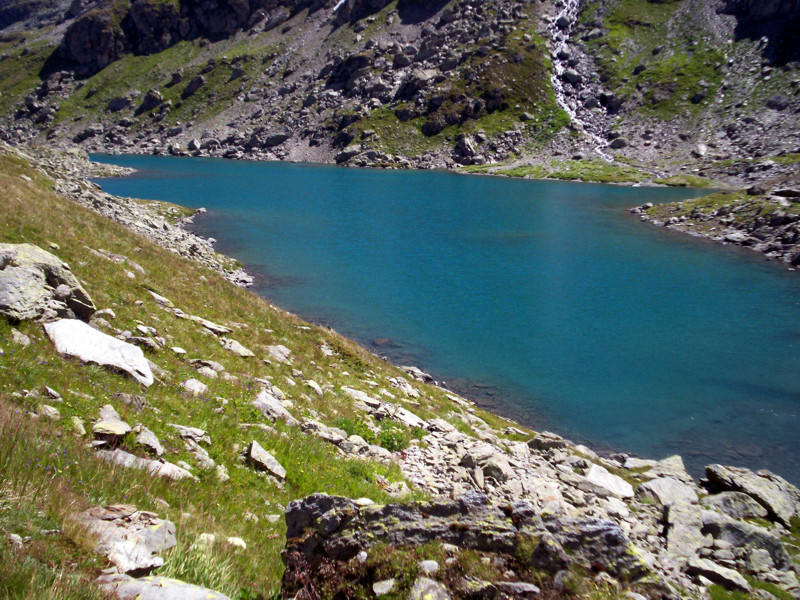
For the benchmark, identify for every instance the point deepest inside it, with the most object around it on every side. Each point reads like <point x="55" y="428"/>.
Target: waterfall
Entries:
<point x="559" y="36"/>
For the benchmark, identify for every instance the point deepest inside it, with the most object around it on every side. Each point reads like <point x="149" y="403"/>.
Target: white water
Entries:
<point x="560" y="42"/>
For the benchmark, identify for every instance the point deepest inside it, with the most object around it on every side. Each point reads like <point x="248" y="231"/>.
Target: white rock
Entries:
<point x="237" y="542"/>
<point x="263" y="460"/>
<point x="194" y="387"/>
<point x="665" y="491"/>
<point x="272" y="408"/>
<point x="280" y="353"/>
<point x="76" y="338"/>
<point x="603" y="483"/>
<point x="235" y="347"/>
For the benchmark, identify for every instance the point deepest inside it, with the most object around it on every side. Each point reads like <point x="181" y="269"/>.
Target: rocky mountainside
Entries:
<point x="687" y="91"/>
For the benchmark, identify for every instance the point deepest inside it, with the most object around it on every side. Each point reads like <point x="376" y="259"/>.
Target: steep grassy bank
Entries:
<point x="48" y="474"/>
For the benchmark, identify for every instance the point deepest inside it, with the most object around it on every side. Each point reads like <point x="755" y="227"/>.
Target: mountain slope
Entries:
<point x="676" y="88"/>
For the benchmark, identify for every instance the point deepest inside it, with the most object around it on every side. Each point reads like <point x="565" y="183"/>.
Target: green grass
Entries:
<point x="685" y="181"/>
<point x="671" y="77"/>
<point x="78" y="480"/>
<point x="584" y="170"/>
<point x="19" y="73"/>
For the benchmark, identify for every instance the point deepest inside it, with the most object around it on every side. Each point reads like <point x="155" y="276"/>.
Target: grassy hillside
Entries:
<point x="47" y="473"/>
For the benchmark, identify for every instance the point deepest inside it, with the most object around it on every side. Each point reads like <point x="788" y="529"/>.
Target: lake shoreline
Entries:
<point x="225" y="266"/>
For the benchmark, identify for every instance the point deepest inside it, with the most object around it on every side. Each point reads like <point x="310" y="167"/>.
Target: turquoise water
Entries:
<point x="547" y="301"/>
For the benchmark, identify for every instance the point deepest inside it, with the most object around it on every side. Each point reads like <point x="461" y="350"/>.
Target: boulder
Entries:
<point x="599" y="481"/>
<point x="684" y="530"/>
<point x="128" y="537"/>
<point x="76" y="338"/>
<point x="665" y="491"/>
<point x="280" y="354"/>
<point x="262" y="460"/>
<point x="235" y="347"/>
<point x="727" y="578"/>
<point x="194" y="387"/>
<point x="778" y="496"/>
<point x="272" y="408"/>
<point x="428" y="589"/>
<point x="110" y="426"/>
<point x="29" y="280"/>
<point x="195" y="84"/>
<point x="746" y="536"/>
<point x="490" y="460"/>
<point x="157" y="468"/>
<point x="736" y="505"/>
<point x="126" y="587"/>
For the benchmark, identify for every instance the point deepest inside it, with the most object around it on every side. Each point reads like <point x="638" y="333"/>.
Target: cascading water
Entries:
<point x="560" y="31"/>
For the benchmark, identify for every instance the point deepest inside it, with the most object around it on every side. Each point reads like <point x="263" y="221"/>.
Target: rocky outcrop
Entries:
<point x="35" y="284"/>
<point x="76" y="338"/>
<point x="128" y="537"/>
<point x="125" y="587"/>
<point x="325" y="532"/>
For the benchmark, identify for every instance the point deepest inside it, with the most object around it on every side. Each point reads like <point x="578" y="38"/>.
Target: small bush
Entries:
<point x="393" y="437"/>
<point x="353" y="426"/>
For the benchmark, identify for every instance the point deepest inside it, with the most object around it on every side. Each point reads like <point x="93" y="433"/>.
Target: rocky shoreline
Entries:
<point x="71" y="171"/>
<point x="764" y="222"/>
<point x="624" y="521"/>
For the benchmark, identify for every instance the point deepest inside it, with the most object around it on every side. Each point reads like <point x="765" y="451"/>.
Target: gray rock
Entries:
<point x="76" y="338"/>
<point x="774" y="493"/>
<point x="235" y="347"/>
<point x="195" y="84"/>
<point x="429" y="567"/>
<point x="618" y="143"/>
<point x="727" y="578"/>
<point x="490" y="460"/>
<point x="665" y="491"/>
<point x="745" y="535"/>
<point x="736" y="505"/>
<point x="684" y="530"/>
<point x="20" y="338"/>
<point x="194" y="387"/>
<point x="272" y="408"/>
<point x="545" y="441"/>
<point x="599" y="481"/>
<point x="381" y="588"/>
<point x="125" y="587"/>
<point x="428" y="589"/>
<point x="110" y="426"/>
<point x="128" y="537"/>
<point x="195" y="434"/>
<point x="517" y="588"/>
<point x="156" y="468"/>
<point x="48" y="412"/>
<point x="280" y="353"/>
<point x="264" y="461"/>
<point x="29" y="277"/>
<point x="148" y="440"/>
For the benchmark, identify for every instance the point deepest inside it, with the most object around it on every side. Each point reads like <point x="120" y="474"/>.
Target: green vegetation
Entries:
<point x="19" y="73"/>
<point x="685" y="181"/>
<point x="654" y="54"/>
<point x="735" y="207"/>
<point x="53" y="466"/>
<point x="573" y="170"/>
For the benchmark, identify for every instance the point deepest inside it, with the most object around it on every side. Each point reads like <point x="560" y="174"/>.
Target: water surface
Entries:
<point x="546" y="299"/>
